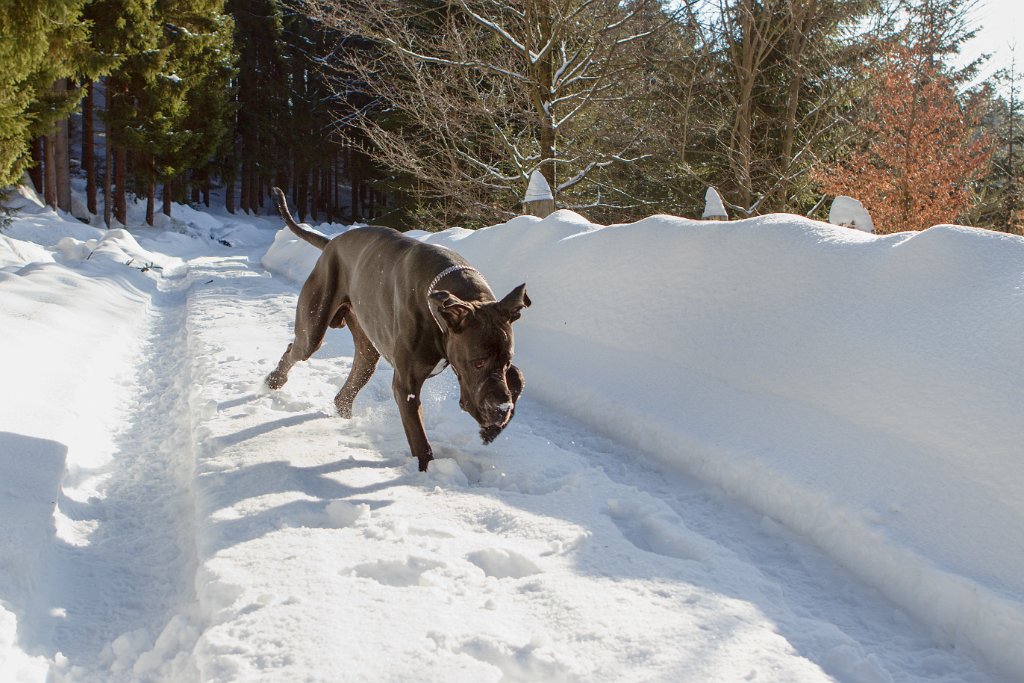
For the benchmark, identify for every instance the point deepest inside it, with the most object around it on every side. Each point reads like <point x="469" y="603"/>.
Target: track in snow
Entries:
<point x="131" y="581"/>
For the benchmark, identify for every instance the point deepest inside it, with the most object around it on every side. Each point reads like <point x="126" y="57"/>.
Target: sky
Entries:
<point x="1000" y="22"/>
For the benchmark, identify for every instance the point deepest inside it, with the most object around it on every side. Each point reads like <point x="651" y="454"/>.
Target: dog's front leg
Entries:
<point x="407" y="396"/>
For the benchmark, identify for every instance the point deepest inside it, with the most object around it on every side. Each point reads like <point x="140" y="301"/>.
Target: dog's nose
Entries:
<point x="500" y="414"/>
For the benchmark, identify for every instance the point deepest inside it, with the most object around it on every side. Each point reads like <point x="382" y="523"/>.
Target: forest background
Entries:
<point x="433" y="113"/>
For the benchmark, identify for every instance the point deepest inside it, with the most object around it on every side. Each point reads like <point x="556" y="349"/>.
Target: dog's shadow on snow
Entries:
<point x="278" y="494"/>
<point x="241" y="435"/>
<point x="253" y="500"/>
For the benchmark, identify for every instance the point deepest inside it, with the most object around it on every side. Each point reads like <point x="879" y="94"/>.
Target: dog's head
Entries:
<point x="479" y="345"/>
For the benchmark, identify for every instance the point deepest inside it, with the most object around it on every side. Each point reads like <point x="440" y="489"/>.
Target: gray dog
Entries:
<point x="385" y="287"/>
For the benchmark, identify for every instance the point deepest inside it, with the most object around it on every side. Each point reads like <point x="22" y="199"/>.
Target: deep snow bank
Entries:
<point x="863" y="390"/>
<point x="72" y="315"/>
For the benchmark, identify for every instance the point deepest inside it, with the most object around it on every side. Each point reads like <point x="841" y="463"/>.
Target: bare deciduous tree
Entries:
<point x="787" y="83"/>
<point x="468" y="97"/>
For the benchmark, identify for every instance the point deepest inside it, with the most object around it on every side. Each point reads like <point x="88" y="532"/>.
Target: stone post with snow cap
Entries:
<point x="539" y="201"/>
<point x="714" y="208"/>
<point x="850" y="213"/>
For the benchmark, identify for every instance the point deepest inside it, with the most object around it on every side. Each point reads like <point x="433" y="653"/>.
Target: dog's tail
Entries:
<point x="318" y="241"/>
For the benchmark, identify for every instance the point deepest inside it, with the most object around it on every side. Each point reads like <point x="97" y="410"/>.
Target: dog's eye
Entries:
<point x="480" y="363"/>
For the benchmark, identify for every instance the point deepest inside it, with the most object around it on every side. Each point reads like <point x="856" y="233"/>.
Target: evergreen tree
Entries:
<point x="1000" y="200"/>
<point x="938" y="29"/>
<point x="41" y="43"/>
<point x="262" y="98"/>
<point x="127" y="28"/>
<point x="182" y="98"/>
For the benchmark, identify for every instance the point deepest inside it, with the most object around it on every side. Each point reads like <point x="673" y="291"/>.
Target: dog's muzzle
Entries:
<point x="495" y="417"/>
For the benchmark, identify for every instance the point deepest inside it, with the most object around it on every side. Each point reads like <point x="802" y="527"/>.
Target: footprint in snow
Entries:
<point x="503" y="564"/>
<point x="656" y="529"/>
<point x="396" y="572"/>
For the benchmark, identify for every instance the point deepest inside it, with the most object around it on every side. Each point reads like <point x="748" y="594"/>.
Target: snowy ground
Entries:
<point x="761" y="450"/>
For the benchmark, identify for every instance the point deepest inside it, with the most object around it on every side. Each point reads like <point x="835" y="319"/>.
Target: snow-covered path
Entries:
<point x="553" y="554"/>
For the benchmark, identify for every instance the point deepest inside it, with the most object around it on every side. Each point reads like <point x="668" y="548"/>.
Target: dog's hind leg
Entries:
<point x="312" y="316"/>
<point x="363" y="366"/>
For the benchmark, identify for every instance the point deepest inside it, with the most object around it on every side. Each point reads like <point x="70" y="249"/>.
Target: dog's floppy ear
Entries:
<point x="449" y="308"/>
<point x="514" y="302"/>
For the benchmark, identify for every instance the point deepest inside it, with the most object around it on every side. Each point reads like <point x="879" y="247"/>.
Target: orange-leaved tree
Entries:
<point x="921" y="153"/>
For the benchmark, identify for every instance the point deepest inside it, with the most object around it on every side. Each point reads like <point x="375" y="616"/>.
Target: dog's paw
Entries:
<point x="276" y="380"/>
<point x="490" y="433"/>
<point x="344" y="410"/>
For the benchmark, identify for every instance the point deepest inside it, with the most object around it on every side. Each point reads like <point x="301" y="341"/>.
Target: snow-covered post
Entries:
<point x="539" y="201"/>
<point x="850" y="213"/>
<point x="714" y="208"/>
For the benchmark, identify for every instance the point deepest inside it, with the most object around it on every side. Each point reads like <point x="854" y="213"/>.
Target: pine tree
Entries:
<point x="129" y="29"/>
<point x="182" y="98"/>
<point x="1000" y="202"/>
<point x="938" y="29"/>
<point x="262" y="98"/>
<point x="311" y="114"/>
<point x="41" y="43"/>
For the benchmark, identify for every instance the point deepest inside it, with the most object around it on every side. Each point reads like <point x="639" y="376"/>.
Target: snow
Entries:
<point x="770" y="449"/>
<point x="713" y="206"/>
<point x="538" y="188"/>
<point x="849" y="212"/>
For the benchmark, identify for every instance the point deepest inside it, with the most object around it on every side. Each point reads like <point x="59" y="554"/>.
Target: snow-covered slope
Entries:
<point x="853" y="391"/>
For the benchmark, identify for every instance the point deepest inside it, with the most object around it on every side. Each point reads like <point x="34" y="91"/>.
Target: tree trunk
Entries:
<point x="36" y="170"/>
<point x="89" y="148"/>
<point x="120" y="185"/>
<point x="50" y="172"/>
<point x="254" y="190"/>
<point x="168" y="197"/>
<point x="108" y="172"/>
<point x="244" y="190"/>
<point x="302" y="194"/>
<point x="743" y="137"/>
<point x="229" y="195"/>
<point x="747" y="57"/>
<point x="62" y="154"/>
<point x="332" y="186"/>
<point x="315" y="192"/>
<point x="538" y="13"/>
<point x="150" y="200"/>
<point x="801" y="18"/>
<point x="357" y="211"/>
<point x="336" y="185"/>
<point x="63" y="158"/>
